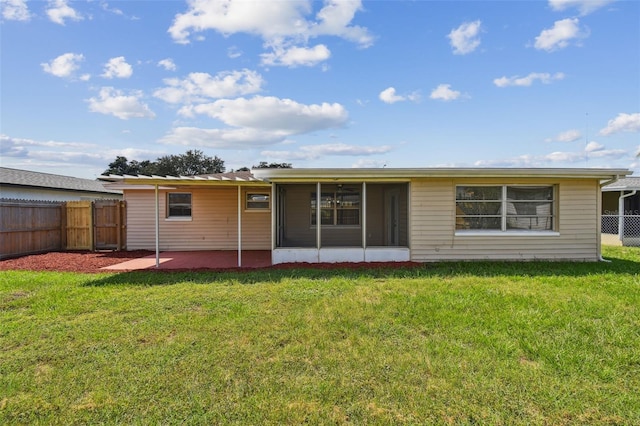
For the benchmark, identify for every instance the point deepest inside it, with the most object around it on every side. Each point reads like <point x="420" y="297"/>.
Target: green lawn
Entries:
<point x="448" y="343"/>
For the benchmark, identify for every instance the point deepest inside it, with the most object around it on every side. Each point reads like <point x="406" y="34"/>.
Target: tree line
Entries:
<point x="191" y="163"/>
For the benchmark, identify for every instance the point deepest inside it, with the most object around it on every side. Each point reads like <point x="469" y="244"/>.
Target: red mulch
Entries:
<point x="71" y="261"/>
<point x="90" y="262"/>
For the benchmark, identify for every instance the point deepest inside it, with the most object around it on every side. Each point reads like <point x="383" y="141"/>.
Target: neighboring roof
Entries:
<point x="624" y="184"/>
<point x="28" y="178"/>
<point x="446" y="172"/>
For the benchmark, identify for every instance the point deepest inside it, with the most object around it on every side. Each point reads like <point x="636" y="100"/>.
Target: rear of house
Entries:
<point x="364" y="215"/>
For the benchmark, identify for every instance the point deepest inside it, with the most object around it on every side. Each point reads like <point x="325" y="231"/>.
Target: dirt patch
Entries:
<point x="73" y="261"/>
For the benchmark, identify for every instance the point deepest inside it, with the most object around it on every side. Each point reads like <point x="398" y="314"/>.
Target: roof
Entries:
<point x="28" y="178"/>
<point x="624" y="184"/>
<point x="265" y="176"/>
<point x="281" y="175"/>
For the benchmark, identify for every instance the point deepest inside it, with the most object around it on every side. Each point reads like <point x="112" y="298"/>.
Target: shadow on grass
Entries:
<point x="325" y="272"/>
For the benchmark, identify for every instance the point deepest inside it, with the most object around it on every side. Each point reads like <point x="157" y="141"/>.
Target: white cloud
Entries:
<point x="257" y="121"/>
<point x="233" y="52"/>
<point x="464" y="39"/>
<point x="117" y="68"/>
<point x="560" y="36"/>
<point x="284" y="26"/>
<point x="59" y="11"/>
<point x="270" y="20"/>
<point x="390" y="96"/>
<point x="593" y="150"/>
<point x="444" y="93"/>
<point x="622" y="123"/>
<point x="515" y="80"/>
<point x="368" y="163"/>
<point x="584" y="6"/>
<point x="313" y="152"/>
<point x="221" y="138"/>
<point x="200" y="87"/>
<point x="566" y="136"/>
<point x="296" y="56"/>
<point x="15" y="10"/>
<point x="114" y="102"/>
<point x="64" y="65"/>
<point x="273" y="114"/>
<point x="167" y="64"/>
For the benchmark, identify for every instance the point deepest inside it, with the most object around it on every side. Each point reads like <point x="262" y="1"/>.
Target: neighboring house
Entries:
<point x="625" y="191"/>
<point x="356" y="215"/>
<point x="621" y="212"/>
<point x="27" y="185"/>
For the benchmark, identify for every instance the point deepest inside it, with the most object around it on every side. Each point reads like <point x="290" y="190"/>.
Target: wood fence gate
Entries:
<point x="109" y="225"/>
<point x="96" y="225"/>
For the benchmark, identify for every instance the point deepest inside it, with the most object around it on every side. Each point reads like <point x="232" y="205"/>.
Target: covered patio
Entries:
<point x="207" y="259"/>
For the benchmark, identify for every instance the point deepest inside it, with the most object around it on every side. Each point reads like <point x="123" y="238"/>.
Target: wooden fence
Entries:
<point x="28" y="227"/>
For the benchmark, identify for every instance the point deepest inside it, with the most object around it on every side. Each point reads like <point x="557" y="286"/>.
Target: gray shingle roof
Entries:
<point x="45" y="180"/>
<point x="625" y="184"/>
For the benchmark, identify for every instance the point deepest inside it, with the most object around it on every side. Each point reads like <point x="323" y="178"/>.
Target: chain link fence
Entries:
<point x="621" y="230"/>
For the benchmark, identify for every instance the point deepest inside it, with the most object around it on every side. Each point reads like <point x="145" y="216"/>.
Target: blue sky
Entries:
<point x="320" y="84"/>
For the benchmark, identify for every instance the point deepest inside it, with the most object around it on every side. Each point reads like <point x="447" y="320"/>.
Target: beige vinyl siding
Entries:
<point x="433" y="235"/>
<point x="256" y="223"/>
<point x="213" y="225"/>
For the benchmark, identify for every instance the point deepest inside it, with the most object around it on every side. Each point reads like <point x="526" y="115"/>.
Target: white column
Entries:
<point x="363" y="209"/>
<point x="157" y="228"/>
<point x="318" y="215"/>
<point x="239" y="226"/>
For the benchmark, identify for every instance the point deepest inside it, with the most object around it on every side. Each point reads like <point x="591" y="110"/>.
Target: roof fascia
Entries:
<point x="383" y="174"/>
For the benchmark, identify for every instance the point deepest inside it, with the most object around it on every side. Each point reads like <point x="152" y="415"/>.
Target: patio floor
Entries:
<point x="218" y="259"/>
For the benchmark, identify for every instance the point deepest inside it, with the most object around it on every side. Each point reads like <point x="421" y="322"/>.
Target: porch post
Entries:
<point x="157" y="228"/>
<point x="239" y="226"/>
<point x="364" y="215"/>
<point x="318" y="217"/>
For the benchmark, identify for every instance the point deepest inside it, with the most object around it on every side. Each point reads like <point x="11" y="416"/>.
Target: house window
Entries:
<point x="505" y="208"/>
<point x="178" y="205"/>
<point x="341" y="208"/>
<point x="257" y="201"/>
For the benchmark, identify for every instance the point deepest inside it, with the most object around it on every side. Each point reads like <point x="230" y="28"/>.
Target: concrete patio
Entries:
<point x="211" y="259"/>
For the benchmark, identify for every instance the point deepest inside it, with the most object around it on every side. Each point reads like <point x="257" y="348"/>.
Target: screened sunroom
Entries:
<point x="346" y="221"/>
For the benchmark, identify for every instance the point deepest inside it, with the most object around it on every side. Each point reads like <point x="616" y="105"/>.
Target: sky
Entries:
<point x="320" y="83"/>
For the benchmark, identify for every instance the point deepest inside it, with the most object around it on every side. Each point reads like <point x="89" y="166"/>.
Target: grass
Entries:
<point x="448" y="343"/>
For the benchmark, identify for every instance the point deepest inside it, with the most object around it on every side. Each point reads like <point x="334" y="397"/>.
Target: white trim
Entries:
<point x="178" y="219"/>
<point x="340" y="254"/>
<point x="480" y="233"/>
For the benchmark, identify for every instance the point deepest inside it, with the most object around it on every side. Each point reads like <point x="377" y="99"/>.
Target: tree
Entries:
<point x="265" y="165"/>
<point x="122" y="166"/>
<point x="193" y="162"/>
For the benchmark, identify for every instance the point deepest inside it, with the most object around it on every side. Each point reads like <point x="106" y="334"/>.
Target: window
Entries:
<point x="178" y="205"/>
<point x="257" y="201"/>
<point x="505" y="208"/>
<point x="341" y="208"/>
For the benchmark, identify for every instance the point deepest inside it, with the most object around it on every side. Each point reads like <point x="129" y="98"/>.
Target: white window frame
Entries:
<point x="169" y="217"/>
<point x="249" y="208"/>
<point x="335" y="207"/>
<point x="504" y="231"/>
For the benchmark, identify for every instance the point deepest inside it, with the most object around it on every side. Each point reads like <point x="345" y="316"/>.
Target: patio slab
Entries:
<point x="210" y="259"/>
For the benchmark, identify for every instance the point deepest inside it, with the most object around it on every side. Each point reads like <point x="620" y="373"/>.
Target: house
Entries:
<point x="621" y="212"/>
<point x="28" y="185"/>
<point x="365" y="215"/>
